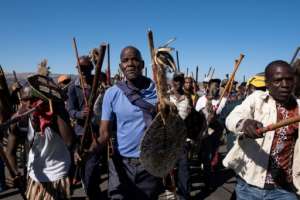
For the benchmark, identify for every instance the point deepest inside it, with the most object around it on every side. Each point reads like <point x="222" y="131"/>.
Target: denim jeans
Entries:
<point x="91" y="173"/>
<point x="183" y="175"/>
<point x="245" y="191"/>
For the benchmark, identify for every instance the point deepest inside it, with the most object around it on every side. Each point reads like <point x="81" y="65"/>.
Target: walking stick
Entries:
<point x="79" y="71"/>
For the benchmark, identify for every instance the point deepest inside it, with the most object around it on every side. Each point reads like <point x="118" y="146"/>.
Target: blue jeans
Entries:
<point x="183" y="175"/>
<point x="245" y="191"/>
<point x="91" y="173"/>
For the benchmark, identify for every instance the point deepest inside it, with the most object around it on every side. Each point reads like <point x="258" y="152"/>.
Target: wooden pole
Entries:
<point x="208" y="73"/>
<point x="108" y="81"/>
<point x="212" y="74"/>
<point x="151" y="47"/>
<point x="197" y="70"/>
<point x="295" y="55"/>
<point x="226" y="89"/>
<point x="177" y="59"/>
<point x="79" y="71"/>
<point x="279" y="124"/>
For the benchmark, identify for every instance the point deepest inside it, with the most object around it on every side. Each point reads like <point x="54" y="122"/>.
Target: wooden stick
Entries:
<point x="197" y="70"/>
<point x="295" y="55"/>
<point x="277" y="125"/>
<point x="92" y="96"/>
<point x="208" y="73"/>
<point x="226" y="89"/>
<point x="151" y="47"/>
<point x="18" y="83"/>
<point x="177" y="59"/>
<point x="17" y="118"/>
<point x="79" y="72"/>
<point x="232" y="81"/>
<point x="212" y="74"/>
<point x="87" y="123"/>
<point x="108" y="80"/>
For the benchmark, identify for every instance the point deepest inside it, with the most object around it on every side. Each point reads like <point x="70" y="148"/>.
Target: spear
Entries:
<point x="177" y="59"/>
<point x="146" y="71"/>
<point x="197" y="70"/>
<point x="187" y="71"/>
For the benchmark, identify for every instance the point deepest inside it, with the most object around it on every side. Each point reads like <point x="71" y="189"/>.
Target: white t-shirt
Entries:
<point x="182" y="105"/>
<point x="49" y="159"/>
<point x="201" y="103"/>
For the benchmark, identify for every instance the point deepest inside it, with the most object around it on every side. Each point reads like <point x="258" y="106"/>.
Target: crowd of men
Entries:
<point x="266" y="165"/>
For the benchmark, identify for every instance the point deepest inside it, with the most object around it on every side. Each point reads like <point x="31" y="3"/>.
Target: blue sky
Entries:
<point x="208" y="32"/>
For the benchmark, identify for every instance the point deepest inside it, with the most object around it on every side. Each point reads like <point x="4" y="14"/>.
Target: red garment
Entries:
<point x="282" y="150"/>
<point x="43" y="116"/>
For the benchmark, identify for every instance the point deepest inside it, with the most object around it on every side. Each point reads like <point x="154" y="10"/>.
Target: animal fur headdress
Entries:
<point x="43" y="68"/>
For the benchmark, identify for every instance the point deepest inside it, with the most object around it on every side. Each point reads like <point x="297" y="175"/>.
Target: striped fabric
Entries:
<point x="59" y="189"/>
